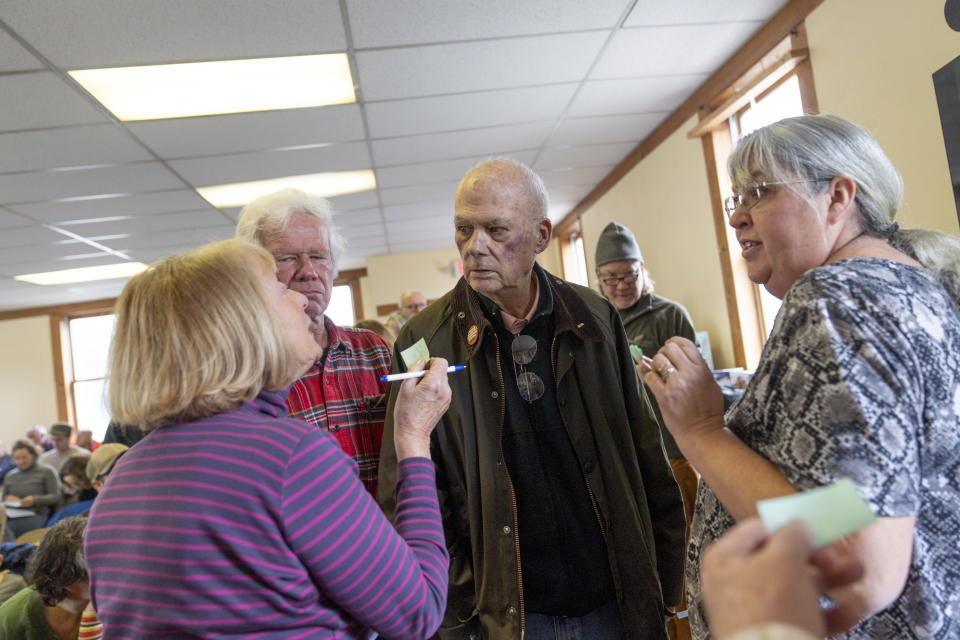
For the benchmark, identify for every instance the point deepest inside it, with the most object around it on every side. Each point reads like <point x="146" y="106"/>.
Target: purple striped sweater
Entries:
<point x="250" y="524"/>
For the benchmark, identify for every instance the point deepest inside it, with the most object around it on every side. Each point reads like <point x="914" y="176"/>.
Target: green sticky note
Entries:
<point x="832" y="511"/>
<point x="415" y="352"/>
<point x="636" y="352"/>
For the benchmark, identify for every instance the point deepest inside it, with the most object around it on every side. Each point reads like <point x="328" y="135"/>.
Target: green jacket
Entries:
<point x="649" y="323"/>
<point x="612" y="429"/>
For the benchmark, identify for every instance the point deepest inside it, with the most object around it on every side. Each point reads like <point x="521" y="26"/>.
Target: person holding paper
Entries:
<point x="32" y="486"/>
<point x="860" y="377"/>
<point x="341" y="393"/>
<point x="758" y="586"/>
<point x="559" y="505"/>
<point x="230" y="519"/>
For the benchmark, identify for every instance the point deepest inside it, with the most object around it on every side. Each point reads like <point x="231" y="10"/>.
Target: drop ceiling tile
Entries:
<point x="664" y="51"/>
<point x="582" y="156"/>
<point x="418" y="193"/>
<point x="607" y="129"/>
<point x="467" y="110"/>
<point x="365" y="243"/>
<point x="558" y="210"/>
<point x="407" y="212"/>
<point x="358" y="260"/>
<point x="438" y="171"/>
<point x="570" y="193"/>
<point x="47" y="185"/>
<point x="10" y="219"/>
<point x="590" y="176"/>
<point x="26" y="236"/>
<point x="353" y="201"/>
<point x="422" y="244"/>
<point x="349" y="219"/>
<point x="261" y="131"/>
<point x="52" y="251"/>
<point x="150" y="255"/>
<point x="241" y="167"/>
<point x="149" y="223"/>
<point x="126" y="205"/>
<point x="72" y="147"/>
<point x="461" y="144"/>
<point x="187" y="237"/>
<point x="656" y="12"/>
<point x="409" y="72"/>
<point x="55" y="263"/>
<point x="635" y="95"/>
<point x="41" y="99"/>
<point x="13" y="57"/>
<point x="432" y="227"/>
<point x="105" y="33"/>
<point x="357" y="230"/>
<point x="378" y="24"/>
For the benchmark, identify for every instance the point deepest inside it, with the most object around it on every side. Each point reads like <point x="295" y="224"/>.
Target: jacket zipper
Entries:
<point x="513" y="494"/>
<point x="586" y="480"/>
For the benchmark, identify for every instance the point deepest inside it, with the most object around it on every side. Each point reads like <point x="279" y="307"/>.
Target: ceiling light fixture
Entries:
<point x="84" y="274"/>
<point x="228" y="86"/>
<point x="322" y="184"/>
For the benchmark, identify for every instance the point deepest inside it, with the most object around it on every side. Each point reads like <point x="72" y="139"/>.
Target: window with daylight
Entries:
<point x="341" y="309"/>
<point x="89" y="348"/>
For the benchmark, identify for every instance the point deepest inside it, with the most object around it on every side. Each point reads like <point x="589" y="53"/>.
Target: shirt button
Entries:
<point x="494" y="394"/>
<point x="461" y="315"/>
<point x="511" y="610"/>
<point x="506" y="529"/>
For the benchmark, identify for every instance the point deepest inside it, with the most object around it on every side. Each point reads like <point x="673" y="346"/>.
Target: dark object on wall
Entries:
<point x="946" y="83"/>
<point x="951" y="11"/>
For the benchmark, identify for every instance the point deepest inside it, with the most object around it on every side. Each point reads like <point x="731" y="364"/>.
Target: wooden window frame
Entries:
<point x="351" y="278"/>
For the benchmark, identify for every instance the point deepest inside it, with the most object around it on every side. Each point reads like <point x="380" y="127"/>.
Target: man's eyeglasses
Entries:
<point x="612" y="281"/>
<point x="751" y="195"/>
<point x="524" y="348"/>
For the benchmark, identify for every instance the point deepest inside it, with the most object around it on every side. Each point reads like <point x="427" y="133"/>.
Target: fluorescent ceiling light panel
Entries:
<point x="85" y="274"/>
<point x="322" y="184"/>
<point x="229" y="86"/>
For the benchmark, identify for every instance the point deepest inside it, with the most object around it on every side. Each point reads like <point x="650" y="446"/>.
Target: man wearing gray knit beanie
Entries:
<point x="649" y="321"/>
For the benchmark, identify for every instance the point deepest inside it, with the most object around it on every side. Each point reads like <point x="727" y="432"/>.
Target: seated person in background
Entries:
<point x="205" y="346"/>
<point x="762" y="587"/>
<point x="10" y="583"/>
<point x="60" y="433"/>
<point x="6" y="462"/>
<point x="33" y="485"/>
<point x="382" y="330"/>
<point x="88" y="476"/>
<point x="411" y="303"/>
<point x="77" y="493"/>
<point x="85" y="440"/>
<point x="57" y="604"/>
<point x="37" y="434"/>
<point x="102" y="462"/>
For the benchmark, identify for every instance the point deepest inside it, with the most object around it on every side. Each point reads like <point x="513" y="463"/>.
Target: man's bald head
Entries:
<point x="512" y="181"/>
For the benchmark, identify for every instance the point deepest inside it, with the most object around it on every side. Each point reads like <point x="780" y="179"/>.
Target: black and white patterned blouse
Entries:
<point x="861" y="379"/>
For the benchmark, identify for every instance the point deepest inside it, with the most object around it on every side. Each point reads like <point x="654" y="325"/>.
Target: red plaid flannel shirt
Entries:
<point x="344" y="395"/>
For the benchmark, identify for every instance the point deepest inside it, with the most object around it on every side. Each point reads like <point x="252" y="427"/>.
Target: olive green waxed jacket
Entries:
<point x="613" y="432"/>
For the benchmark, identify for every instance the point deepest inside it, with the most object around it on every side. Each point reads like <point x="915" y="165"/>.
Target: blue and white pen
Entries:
<point x="393" y="377"/>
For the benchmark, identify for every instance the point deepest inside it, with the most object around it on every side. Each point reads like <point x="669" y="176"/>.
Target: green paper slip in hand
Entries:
<point x="635" y="352"/>
<point x="832" y="511"/>
<point x="414" y="353"/>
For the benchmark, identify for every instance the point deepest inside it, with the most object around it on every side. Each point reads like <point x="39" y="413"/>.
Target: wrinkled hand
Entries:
<point x="420" y="405"/>
<point x="689" y="397"/>
<point x="750" y="577"/>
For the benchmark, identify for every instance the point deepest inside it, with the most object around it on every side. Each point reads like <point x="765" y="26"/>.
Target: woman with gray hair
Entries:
<point x="860" y="377"/>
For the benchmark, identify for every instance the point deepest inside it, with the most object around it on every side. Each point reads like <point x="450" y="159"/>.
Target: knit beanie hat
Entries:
<point x="616" y="243"/>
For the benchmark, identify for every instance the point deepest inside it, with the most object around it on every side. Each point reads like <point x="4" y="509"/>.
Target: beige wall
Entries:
<point x="428" y="272"/>
<point x="666" y="202"/>
<point x="872" y="63"/>
<point x="27" y="385"/>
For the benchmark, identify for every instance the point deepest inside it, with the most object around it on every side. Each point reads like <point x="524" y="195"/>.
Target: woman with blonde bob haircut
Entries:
<point x="230" y="518"/>
<point x="859" y="379"/>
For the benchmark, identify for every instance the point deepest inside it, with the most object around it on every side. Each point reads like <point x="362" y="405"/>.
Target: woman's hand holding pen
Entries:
<point x="419" y="407"/>
<point x="689" y="397"/>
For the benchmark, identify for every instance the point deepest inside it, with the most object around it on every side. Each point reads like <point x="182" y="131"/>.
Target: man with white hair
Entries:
<point x="342" y="392"/>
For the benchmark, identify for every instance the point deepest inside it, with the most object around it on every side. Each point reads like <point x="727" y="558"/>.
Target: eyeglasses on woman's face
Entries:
<point x="748" y="197"/>
<point x="523" y="349"/>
